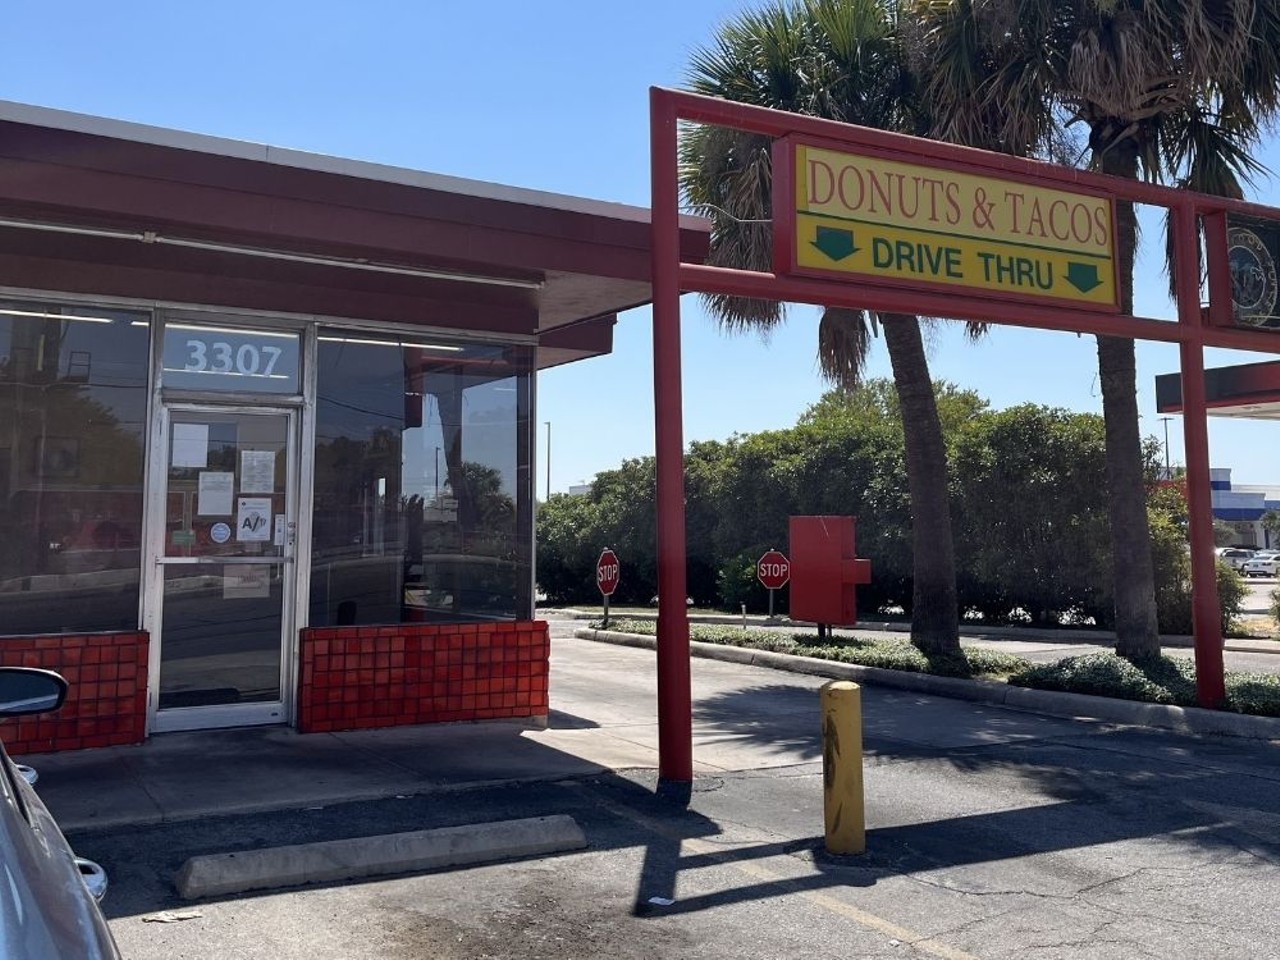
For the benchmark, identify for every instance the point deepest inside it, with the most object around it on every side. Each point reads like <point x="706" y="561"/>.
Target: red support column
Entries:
<point x="1205" y="616"/>
<point x="675" y="705"/>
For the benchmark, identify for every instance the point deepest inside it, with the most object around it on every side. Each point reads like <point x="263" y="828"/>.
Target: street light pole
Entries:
<point x="548" y="423"/>
<point x="1168" y="473"/>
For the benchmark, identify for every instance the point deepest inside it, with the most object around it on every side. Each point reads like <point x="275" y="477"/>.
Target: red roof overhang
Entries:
<point x="114" y="209"/>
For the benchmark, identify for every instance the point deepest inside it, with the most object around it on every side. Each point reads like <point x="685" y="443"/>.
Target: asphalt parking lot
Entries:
<point x="992" y="833"/>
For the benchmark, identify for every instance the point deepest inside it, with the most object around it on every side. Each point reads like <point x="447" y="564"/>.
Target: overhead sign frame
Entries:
<point x="901" y="220"/>
<point x="1198" y="229"/>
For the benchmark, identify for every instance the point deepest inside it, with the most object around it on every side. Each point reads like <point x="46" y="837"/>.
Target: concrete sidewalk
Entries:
<point x="603" y="717"/>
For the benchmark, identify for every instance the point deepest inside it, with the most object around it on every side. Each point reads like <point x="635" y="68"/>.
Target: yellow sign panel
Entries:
<point x="905" y="222"/>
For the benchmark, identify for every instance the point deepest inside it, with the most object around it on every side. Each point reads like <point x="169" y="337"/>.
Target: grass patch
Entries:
<point x="1168" y="680"/>
<point x="889" y="654"/>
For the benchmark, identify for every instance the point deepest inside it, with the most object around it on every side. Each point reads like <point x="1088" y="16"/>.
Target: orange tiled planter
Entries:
<point x="354" y="678"/>
<point x="107" y="701"/>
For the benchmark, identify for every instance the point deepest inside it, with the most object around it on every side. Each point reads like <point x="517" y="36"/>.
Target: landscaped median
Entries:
<point x="1157" y="693"/>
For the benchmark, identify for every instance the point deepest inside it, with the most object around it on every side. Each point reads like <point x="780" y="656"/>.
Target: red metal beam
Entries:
<point x="1205" y="615"/>
<point x="675" y="702"/>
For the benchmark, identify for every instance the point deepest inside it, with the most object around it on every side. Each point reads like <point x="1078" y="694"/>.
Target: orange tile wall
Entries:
<point x="354" y="678"/>
<point x="106" y="701"/>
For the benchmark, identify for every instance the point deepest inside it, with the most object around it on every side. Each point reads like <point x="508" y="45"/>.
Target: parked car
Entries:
<point x="48" y="896"/>
<point x="1237" y="557"/>
<point x="1261" y="564"/>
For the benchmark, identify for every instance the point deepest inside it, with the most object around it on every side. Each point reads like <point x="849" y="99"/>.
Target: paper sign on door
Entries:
<point x="253" y="519"/>
<point x="257" y="471"/>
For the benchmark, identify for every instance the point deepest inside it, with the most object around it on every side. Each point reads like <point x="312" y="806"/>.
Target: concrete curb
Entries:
<point x="1078" y="706"/>
<point x="336" y="860"/>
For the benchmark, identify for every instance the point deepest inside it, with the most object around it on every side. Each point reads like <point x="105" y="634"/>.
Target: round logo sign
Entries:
<point x="1253" y="278"/>
<point x="220" y="532"/>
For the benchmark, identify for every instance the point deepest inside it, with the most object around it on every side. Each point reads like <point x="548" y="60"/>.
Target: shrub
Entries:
<point x="1232" y="591"/>
<point x="1257" y="693"/>
<point x="737" y="584"/>
<point x="1158" y="680"/>
<point x="1168" y="680"/>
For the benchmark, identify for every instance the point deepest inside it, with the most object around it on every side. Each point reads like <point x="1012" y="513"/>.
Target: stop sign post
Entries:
<point x="773" y="570"/>
<point x="608" y="573"/>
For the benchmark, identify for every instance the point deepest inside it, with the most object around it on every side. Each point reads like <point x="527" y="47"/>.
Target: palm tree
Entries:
<point x="838" y="59"/>
<point x="1165" y="89"/>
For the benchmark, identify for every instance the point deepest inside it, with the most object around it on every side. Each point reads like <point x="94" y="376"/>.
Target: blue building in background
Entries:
<point x="1241" y="506"/>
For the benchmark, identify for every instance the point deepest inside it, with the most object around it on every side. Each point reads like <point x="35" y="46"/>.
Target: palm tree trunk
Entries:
<point x="1133" y="573"/>
<point x="935" y="620"/>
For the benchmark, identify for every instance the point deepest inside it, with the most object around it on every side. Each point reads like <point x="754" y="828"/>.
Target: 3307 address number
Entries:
<point x="219" y="356"/>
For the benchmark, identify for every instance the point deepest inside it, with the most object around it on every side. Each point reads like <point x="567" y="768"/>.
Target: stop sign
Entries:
<point x="607" y="572"/>
<point x="773" y="570"/>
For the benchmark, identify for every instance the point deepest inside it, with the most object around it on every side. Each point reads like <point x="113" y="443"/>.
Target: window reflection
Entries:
<point x="421" y="468"/>
<point x="73" y="404"/>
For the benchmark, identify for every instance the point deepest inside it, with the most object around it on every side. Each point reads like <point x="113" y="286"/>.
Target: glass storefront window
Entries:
<point x="73" y="410"/>
<point x="422" y="481"/>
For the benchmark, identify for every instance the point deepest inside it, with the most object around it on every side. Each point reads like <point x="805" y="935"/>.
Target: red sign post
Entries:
<point x="773" y="570"/>
<point x="608" y="573"/>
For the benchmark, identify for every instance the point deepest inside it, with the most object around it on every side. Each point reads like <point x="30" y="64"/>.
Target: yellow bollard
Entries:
<point x="846" y="825"/>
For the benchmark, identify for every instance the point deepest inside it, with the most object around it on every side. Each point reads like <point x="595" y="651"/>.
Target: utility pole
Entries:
<point x="1168" y="473"/>
<point x="548" y="423"/>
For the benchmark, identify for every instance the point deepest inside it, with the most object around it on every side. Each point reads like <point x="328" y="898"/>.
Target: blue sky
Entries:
<point x="553" y="96"/>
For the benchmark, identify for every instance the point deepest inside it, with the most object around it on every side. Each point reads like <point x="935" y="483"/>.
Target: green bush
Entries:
<point x="1159" y="680"/>
<point x="1275" y="605"/>
<point x="1167" y="515"/>
<point x="1232" y="591"/>
<point x="737" y="584"/>
<point x="1169" y="680"/>
<point x="1257" y="693"/>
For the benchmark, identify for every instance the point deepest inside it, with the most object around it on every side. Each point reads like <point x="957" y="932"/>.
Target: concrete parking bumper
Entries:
<point x="334" y="861"/>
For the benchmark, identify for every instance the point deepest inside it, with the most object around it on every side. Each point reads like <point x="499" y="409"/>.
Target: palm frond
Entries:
<point x="844" y="340"/>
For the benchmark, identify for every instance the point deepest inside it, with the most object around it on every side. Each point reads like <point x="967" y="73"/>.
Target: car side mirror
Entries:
<point x="25" y="690"/>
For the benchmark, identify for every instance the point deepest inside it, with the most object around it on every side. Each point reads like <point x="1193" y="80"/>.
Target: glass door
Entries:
<point x="224" y="567"/>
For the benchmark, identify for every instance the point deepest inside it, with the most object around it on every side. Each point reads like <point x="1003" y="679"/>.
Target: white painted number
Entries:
<point x="246" y="361"/>
<point x="273" y="354"/>
<point x="221" y="357"/>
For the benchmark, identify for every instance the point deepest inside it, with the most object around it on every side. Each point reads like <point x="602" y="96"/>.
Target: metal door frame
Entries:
<point x="221" y="715"/>
<point x="297" y="409"/>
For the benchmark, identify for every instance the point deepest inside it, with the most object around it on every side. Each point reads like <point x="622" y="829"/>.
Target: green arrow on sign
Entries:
<point x="835" y="243"/>
<point x="1083" y="276"/>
